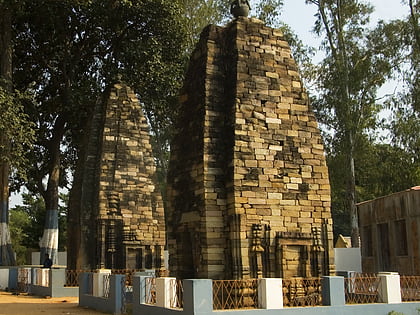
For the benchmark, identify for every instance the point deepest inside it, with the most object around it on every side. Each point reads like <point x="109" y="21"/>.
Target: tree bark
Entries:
<point x="49" y="241"/>
<point x="74" y="246"/>
<point x="6" y="253"/>
<point x="354" y="219"/>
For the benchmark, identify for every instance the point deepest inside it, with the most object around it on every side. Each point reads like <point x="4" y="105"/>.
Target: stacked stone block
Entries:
<point x="248" y="183"/>
<point x="121" y="205"/>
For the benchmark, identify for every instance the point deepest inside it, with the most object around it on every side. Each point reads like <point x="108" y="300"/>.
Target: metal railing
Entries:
<point x="23" y="280"/>
<point x="362" y="289"/>
<point x="177" y="300"/>
<point x="302" y="292"/>
<point x="150" y="293"/>
<point x="128" y="274"/>
<point x="410" y="288"/>
<point x="72" y="277"/>
<point x="42" y="277"/>
<point x="106" y="285"/>
<point x="235" y="294"/>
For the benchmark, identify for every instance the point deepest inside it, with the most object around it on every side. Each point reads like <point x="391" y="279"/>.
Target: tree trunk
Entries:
<point x="6" y="253"/>
<point x="354" y="220"/>
<point x="49" y="241"/>
<point x="79" y="243"/>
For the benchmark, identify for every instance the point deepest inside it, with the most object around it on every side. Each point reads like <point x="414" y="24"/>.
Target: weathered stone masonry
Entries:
<point x="248" y="187"/>
<point x="122" y="217"/>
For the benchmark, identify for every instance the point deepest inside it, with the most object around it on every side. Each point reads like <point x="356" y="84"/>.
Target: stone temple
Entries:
<point x="121" y="216"/>
<point x="248" y="186"/>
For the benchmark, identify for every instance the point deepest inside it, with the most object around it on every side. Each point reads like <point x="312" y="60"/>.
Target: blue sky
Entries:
<point x="300" y="16"/>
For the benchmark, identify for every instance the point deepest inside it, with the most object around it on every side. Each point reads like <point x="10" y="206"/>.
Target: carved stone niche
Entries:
<point x="293" y="254"/>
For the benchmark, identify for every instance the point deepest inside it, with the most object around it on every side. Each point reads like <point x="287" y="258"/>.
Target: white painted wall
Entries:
<point x="4" y="278"/>
<point x="348" y="259"/>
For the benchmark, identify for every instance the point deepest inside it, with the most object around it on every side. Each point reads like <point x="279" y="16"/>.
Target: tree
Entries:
<point x="269" y="11"/>
<point x="349" y="77"/>
<point x="15" y="130"/>
<point x="403" y="37"/>
<point x="50" y="71"/>
<point x="399" y="41"/>
<point x="77" y="48"/>
<point x="27" y="225"/>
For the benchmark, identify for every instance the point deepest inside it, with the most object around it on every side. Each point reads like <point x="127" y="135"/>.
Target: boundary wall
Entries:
<point x="36" y="281"/>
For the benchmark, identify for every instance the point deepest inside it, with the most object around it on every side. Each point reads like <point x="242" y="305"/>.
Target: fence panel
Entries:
<point x="150" y="291"/>
<point x="106" y="285"/>
<point x="362" y="289"/>
<point x="72" y="277"/>
<point x="410" y="288"/>
<point x="178" y="288"/>
<point x="235" y="294"/>
<point x="128" y="274"/>
<point x="23" y="279"/>
<point x="302" y="292"/>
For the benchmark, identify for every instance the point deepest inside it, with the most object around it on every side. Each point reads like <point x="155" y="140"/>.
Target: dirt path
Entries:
<point x="32" y="305"/>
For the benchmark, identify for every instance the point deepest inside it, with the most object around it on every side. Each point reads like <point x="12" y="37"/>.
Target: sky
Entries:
<point x="300" y="17"/>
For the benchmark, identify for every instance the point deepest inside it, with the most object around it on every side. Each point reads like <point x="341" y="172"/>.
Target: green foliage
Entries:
<point x="345" y="102"/>
<point x="198" y="14"/>
<point x="358" y="61"/>
<point x="79" y="47"/>
<point x="269" y="11"/>
<point x="27" y="225"/>
<point x="16" y="130"/>
<point x="18" y="225"/>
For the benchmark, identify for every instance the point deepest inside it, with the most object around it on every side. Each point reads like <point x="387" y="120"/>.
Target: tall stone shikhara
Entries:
<point x="121" y="210"/>
<point x="248" y="186"/>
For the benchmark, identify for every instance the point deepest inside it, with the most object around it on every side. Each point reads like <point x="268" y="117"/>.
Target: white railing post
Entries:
<point x="45" y="275"/>
<point x="270" y="293"/>
<point x="389" y="287"/>
<point x="165" y="292"/>
<point x="98" y="282"/>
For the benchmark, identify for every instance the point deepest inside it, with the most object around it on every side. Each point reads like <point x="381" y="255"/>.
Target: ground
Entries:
<point x="31" y="305"/>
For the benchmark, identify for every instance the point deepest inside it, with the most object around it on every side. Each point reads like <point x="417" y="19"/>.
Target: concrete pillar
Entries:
<point x="270" y="293"/>
<point x="389" y="287"/>
<point x="165" y="291"/>
<point x="57" y="277"/>
<point x="333" y="291"/>
<point x="115" y="292"/>
<point x="84" y="284"/>
<point x="98" y="282"/>
<point x="198" y="296"/>
<point x="34" y="276"/>
<point x="13" y="277"/>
